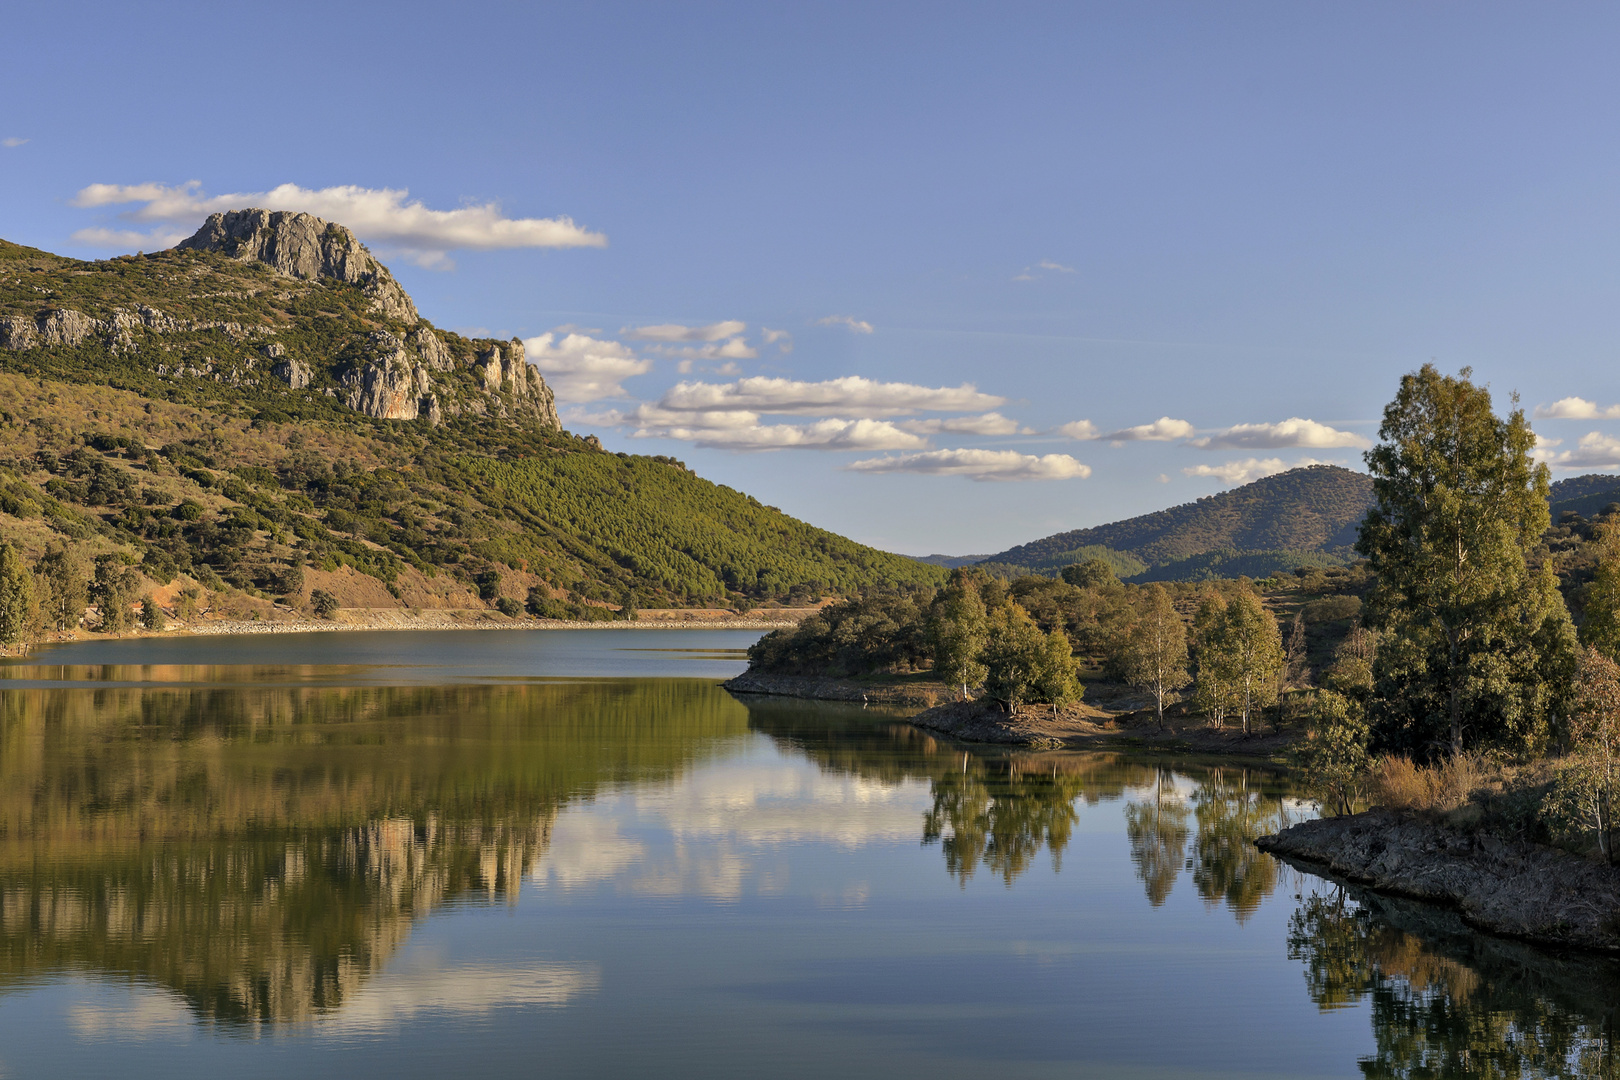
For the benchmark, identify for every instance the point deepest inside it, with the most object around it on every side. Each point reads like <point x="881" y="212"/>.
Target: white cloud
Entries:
<point x="986" y="424"/>
<point x="675" y="332"/>
<point x="158" y="239"/>
<point x="1595" y="450"/>
<point x="1084" y="430"/>
<point x="1029" y="274"/>
<point x="582" y="368"/>
<point x="1048" y="264"/>
<point x="12" y="143"/>
<point x="780" y="338"/>
<point x="1164" y="429"/>
<point x="1242" y="472"/>
<point x="378" y="215"/>
<point x="1576" y="408"/>
<point x="734" y="349"/>
<point x="729" y="430"/>
<point x="860" y="326"/>
<point x="1287" y="433"/>
<point x="851" y="395"/>
<point x="978" y="465"/>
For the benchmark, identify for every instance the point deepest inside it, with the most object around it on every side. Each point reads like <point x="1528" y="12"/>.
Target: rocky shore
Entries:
<point x="1505" y="887"/>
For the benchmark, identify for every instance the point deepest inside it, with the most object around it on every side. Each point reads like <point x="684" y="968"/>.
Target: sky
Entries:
<point x="944" y="278"/>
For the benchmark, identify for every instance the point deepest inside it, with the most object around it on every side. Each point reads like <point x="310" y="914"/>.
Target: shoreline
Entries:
<point x="362" y="620"/>
<point x="1510" y="888"/>
<point x="1116" y="722"/>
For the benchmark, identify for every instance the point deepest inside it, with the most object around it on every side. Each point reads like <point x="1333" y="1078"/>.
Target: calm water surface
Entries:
<point x="572" y="854"/>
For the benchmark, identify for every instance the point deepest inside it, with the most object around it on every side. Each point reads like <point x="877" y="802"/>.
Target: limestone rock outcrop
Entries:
<point x="295" y="373"/>
<point x="303" y="246"/>
<point x="394" y="385"/>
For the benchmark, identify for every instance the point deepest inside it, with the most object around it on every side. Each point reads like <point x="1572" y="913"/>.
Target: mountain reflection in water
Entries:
<point x="256" y="851"/>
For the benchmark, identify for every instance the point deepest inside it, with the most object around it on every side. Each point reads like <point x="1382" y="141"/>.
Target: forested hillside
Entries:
<point x="244" y="422"/>
<point x="1303" y="516"/>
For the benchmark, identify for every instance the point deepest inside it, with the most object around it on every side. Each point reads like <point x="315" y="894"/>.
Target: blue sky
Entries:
<point x="939" y="277"/>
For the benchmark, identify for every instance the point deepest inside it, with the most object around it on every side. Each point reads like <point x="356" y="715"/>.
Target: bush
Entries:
<point x="1399" y="784"/>
<point x="324" y="603"/>
<point x="152" y="614"/>
<point x="509" y="607"/>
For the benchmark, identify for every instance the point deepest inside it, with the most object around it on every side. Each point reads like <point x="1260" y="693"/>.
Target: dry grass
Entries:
<point x="1398" y="783"/>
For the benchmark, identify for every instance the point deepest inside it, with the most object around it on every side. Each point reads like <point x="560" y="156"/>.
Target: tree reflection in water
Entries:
<point x="1157" y="830"/>
<point x="1448" y="1002"/>
<point x="1231" y="807"/>
<point x="1001" y="816"/>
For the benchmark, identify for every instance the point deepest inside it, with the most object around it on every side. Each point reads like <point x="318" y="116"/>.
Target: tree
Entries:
<point x="113" y="589"/>
<point x="1457" y="506"/>
<point x="1253" y="653"/>
<point x="1600" y="621"/>
<point x="1013" y="650"/>
<point x="958" y="631"/>
<point x="1587" y="787"/>
<point x="1154" y="656"/>
<point x="63" y="588"/>
<point x="1295" y="673"/>
<point x="1351" y="671"/>
<point x="1056" y="681"/>
<point x="1213" y="693"/>
<point x="16" y="597"/>
<point x="1090" y="574"/>
<point x="324" y="603"/>
<point x="1333" y="756"/>
<point x="152" y="614"/>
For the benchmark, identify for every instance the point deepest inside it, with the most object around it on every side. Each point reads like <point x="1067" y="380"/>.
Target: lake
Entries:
<point x="570" y="853"/>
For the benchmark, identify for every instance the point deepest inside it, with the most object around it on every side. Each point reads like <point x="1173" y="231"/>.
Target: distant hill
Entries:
<point x="1299" y="517"/>
<point x="950" y="562"/>
<point x="1586" y="495"/>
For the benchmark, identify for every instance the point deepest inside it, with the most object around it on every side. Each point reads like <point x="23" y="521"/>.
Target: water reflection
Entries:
<point x="264" y="853"/>
<point x="1447" y="1002"/>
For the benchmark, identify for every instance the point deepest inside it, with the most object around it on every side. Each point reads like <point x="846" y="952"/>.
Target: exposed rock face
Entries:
<point x="394" y="386"/>
<point x="68" y="328"/>
<point x="295" y="373"/>
<point x="1508" y="887"/>
<point x="303" y="246"/>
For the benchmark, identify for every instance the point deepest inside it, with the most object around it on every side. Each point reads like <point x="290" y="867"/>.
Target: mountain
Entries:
<point x="950" y="562"/>
<point x="1299" y="517"/>
<point x="262" y="411"/>
<point x="1585" y="495"/>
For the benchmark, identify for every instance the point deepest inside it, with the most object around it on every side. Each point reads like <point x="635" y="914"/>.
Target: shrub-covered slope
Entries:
<point x="1310" y="510"/>
<point x="217" y="419"/>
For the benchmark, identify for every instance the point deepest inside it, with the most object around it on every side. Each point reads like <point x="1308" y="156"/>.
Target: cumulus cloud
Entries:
<point x="851" y="395"/>
<point x="734" y="349"/>
<point x="780" y="338"/>
<point x="978" y="465"/>
<point x="581" y="368"/>
<point x="1576" y="408"/>
<point x="675" y="333"/>
<point x="157" y="239"/>
<point x="377" y="215"/>
<point x="1242" y="472"/>
<point x="859" y="326"/>
<point x="1595" y="450"/>
<point x="1084" y="430"/>
<point x="1287" y="433"/>
<point x="1164" y="429"/>
<point x="985" y="424"/>
<point x="730" y="430"/>
<point x="12" y="143"/>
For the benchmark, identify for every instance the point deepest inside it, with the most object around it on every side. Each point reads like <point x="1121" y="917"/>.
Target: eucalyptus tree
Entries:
<point x="1479" y="645"/>
<point x="1154" y="657"/>
<point x="16" y="597"/>
<point x="957" y="630"/>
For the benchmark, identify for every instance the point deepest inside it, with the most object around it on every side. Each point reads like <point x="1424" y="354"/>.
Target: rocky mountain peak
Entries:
<point x="303" y="246"/>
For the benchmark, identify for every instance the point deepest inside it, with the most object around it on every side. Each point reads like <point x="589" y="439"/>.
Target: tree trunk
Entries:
<point x="1456" y="694"/>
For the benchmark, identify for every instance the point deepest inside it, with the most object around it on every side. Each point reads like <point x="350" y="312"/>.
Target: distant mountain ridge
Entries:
<point x="1306" y="515"/>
